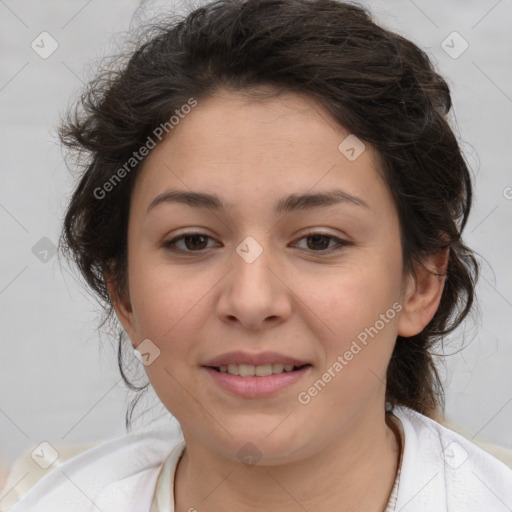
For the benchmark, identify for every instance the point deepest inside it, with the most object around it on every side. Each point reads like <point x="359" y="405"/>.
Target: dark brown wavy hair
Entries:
<point x="377" y="84"/>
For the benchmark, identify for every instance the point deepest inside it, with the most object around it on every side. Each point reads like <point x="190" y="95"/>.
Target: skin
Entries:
<point x="338" y="452"/>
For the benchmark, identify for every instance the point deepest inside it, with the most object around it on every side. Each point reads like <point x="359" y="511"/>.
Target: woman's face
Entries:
<point x="276" y="279"/>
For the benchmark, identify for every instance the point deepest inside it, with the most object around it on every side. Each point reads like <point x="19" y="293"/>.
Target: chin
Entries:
<point x="260" y="442"/>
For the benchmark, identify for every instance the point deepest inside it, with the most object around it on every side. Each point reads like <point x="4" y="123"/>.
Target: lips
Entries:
<point x="253" y="387"/>
<point x="249" y="370"/>
<point x="255" y="375"/>
<point x="241" y="358"/>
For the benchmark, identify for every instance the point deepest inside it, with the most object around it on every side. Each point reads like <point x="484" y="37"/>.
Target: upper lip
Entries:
<point x="256" y="359"/>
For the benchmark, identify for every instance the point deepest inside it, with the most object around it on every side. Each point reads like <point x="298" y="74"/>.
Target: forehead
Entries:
<point x="242" y="149"/>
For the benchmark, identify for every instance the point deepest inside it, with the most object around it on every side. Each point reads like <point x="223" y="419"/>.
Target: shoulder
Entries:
<point x="445" y="471"/>
<point x="111" y="476"/>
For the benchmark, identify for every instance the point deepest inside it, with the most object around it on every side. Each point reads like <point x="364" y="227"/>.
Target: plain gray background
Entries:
<point x="58" y="378"/>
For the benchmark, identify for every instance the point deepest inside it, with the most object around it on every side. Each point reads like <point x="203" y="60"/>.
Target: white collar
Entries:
<point x="439" y="471"/>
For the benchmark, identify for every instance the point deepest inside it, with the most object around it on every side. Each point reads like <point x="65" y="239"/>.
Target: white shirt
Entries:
<point x="440" y="471"/>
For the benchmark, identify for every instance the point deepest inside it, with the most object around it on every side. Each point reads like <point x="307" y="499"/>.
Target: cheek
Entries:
<point x="354" y="297"/>
<point x="165" y="302"/>
<point x="358" y="308"/>
<point x="167" y="307"/>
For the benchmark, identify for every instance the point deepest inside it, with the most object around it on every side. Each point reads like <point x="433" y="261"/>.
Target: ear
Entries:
<point x="422" y="293"/>
<point x="122" y="306"/>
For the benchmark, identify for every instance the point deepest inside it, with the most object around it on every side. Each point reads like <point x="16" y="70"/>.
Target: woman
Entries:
<point x="272" y="206"/>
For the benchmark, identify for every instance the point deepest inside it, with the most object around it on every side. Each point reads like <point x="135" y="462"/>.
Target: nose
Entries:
<point x="254" y="293"/>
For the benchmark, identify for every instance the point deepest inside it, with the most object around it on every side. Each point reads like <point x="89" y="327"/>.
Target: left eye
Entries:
<point x="323" y="240"/>
<point x="196" y="242"/>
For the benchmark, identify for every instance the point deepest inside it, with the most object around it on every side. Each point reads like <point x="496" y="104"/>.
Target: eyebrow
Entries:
<point x="287" y="204"/>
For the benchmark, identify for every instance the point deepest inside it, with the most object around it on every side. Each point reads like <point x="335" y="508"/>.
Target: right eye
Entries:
<point x="193" y="242"/>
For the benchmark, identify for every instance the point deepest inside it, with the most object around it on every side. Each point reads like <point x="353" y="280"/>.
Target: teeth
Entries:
<point x="249" y="370"/>
<point x="246" y="370"/>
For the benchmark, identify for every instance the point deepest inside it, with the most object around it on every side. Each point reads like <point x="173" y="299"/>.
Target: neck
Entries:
<point x="356" y="473"/>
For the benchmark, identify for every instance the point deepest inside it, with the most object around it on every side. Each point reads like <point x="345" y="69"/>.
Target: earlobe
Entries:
<point x="121" y="304"/>
<point x="422" y="294"/>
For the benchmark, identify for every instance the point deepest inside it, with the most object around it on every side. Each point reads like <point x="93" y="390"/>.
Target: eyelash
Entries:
<point x="171" y="244"/>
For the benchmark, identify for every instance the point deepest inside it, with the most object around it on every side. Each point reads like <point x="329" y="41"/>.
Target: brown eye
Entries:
<point x="193" y="242"/>
<point x="319" y="242"/>
<point x="197" y="242"/>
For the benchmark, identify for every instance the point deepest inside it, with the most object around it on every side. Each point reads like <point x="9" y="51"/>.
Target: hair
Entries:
<point x="375" y="83"/>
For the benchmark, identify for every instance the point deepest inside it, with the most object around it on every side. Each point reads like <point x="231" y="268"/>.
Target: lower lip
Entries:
<point x="255" y="387"/>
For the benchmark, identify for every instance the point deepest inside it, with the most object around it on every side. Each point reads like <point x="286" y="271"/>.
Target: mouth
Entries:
<point x="256" y="381"/>
<point x="265" y="370"/>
